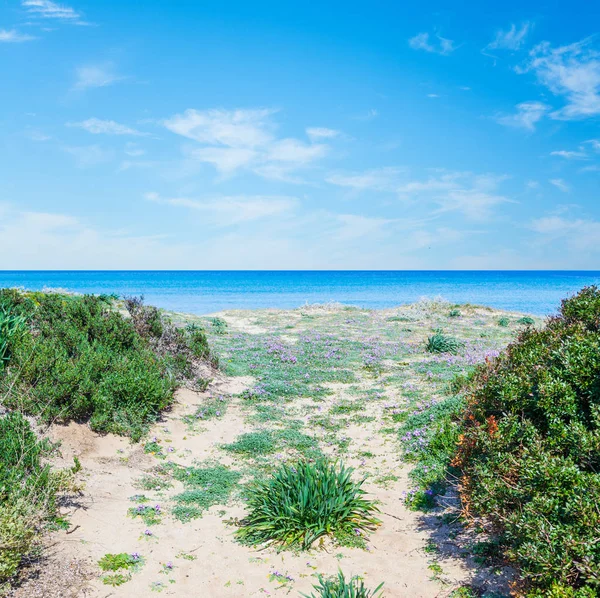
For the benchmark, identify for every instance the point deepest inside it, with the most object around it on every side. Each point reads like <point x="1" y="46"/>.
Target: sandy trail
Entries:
<point x="221" y="567"/>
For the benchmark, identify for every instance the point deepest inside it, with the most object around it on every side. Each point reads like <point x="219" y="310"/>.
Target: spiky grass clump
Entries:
<point x="440" y="343"/>
<point x="300" y="504"/>
<point x="339" y="587"/>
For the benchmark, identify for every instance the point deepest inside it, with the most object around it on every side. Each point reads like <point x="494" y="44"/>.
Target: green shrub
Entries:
<point x="11" y="325"/>
<point x="301" y="503"/>
<point x="503" y="321"/>
<point x="454" y="313"/>
<point x="341" y="588"/>
<point x="81" y="359"/>
<point x="219" y="325"/>
<point x="440" y="343"/>
<point x="28" y="491"/>
<point x="526" y="321"/>
<point x="530" y="450"/>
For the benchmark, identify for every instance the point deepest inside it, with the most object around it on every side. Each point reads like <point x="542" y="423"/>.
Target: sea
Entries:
<point x="205" y="292"/>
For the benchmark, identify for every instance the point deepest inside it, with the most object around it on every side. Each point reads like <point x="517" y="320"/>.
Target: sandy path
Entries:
<point x="221" y="567"/>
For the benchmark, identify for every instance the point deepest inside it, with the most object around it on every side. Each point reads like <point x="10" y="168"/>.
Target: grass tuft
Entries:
<point x="340" y="587"/>
<point x="301" y="503"/>
<point x="441" y="343"/>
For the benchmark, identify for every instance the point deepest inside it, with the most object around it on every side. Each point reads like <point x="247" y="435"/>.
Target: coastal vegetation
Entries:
<point x="63" y="358"/>
<point x="300" y="437"/>
<point x="521" y="440"/>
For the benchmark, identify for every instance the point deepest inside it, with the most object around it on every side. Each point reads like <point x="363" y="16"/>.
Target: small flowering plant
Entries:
<point x="150" y="515"/>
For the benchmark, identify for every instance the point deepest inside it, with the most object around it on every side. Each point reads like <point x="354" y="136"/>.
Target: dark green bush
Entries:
<point x="301" y="503"/>
<point x="530" y="450"/>
<point x="28" y="491"/>
<point x="79" y="358"/>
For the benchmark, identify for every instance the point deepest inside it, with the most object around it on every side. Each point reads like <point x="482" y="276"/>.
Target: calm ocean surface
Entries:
<point x="202" y="292"/>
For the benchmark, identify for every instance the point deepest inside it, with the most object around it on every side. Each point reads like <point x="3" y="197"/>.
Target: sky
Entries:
<point x="299" y="135"/>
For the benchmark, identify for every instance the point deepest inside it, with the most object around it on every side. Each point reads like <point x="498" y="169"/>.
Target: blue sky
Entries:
<point x="270" y="135"/>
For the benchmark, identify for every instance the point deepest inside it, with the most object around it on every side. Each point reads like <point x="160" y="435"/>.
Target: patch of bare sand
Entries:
<point x="222" y="567"/>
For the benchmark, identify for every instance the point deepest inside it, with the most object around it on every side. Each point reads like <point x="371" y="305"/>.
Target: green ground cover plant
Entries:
<point x="205" y="486"/>
<point x="78" y="357"/>
<point x="301" y="503"/>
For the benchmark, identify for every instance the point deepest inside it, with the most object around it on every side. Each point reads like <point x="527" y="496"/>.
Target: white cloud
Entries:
<point x="36" y="135"/>
<point x="579" y="234"/>
<point x="370" y="114"/>
<point x="231" y="210"/>
<point x="295" y="151"/>
<point x="317" y="133"/>
<point x="355" y="227"/>
<point x="89" y="155"/>
<point x="571" y="72"/>
<point x="133" y="150"/>
<point x="569" y="155"/>
<point x="231" y="140"/>
<point x="225" y="159"/>
<point x="560" y="184"/>
<point x="439" y="45"/>
<point x="232" y="128"/>
<point x="97" y="126"/>
<point x="95" y="75"/>
<point x="378" y="179"/>
<point x="12" y="36"/>
<point x="595" y="143"/>
<point x="50" y="10"/>
<point x="511" y="39"/>
<point x="472" y="195"/>
<point x="526" y="117"/>
<point x="433" y="95"/>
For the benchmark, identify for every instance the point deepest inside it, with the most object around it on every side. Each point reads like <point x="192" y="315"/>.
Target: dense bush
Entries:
<point x="530" y="450"/>
<point x="79" y="358"/>
<point x="28" y="491"/>
<point x="301" y="503"/>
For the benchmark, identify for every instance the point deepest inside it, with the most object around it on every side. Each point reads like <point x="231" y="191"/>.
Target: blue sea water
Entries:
<point x="203" y="292"/>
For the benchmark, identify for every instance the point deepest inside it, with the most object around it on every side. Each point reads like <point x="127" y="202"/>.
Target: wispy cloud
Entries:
<point x="473" y="195"/>
<point x="512" y="38"/>
<point x="569" y="155"/>
<point x="98" y="126"/>
<point x="317" y="133"/>
<point x="352" y="226"/>
<point x="231" y="140"/>
<point x="12" y="37"/>
<point x="377" y="179"/>
<point x="89" y="155"/>
<point x="370" y="114"/>
<point x="560" y="184"/>
<point x="95" y="75"/>
<point x="528" y="114"/>
<point x="50" y="10"/>
<point x="579" y="234"/>
<point x="231" y="210"/>
<point x="571" y="72"/>
<point x="436" y="45"/>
